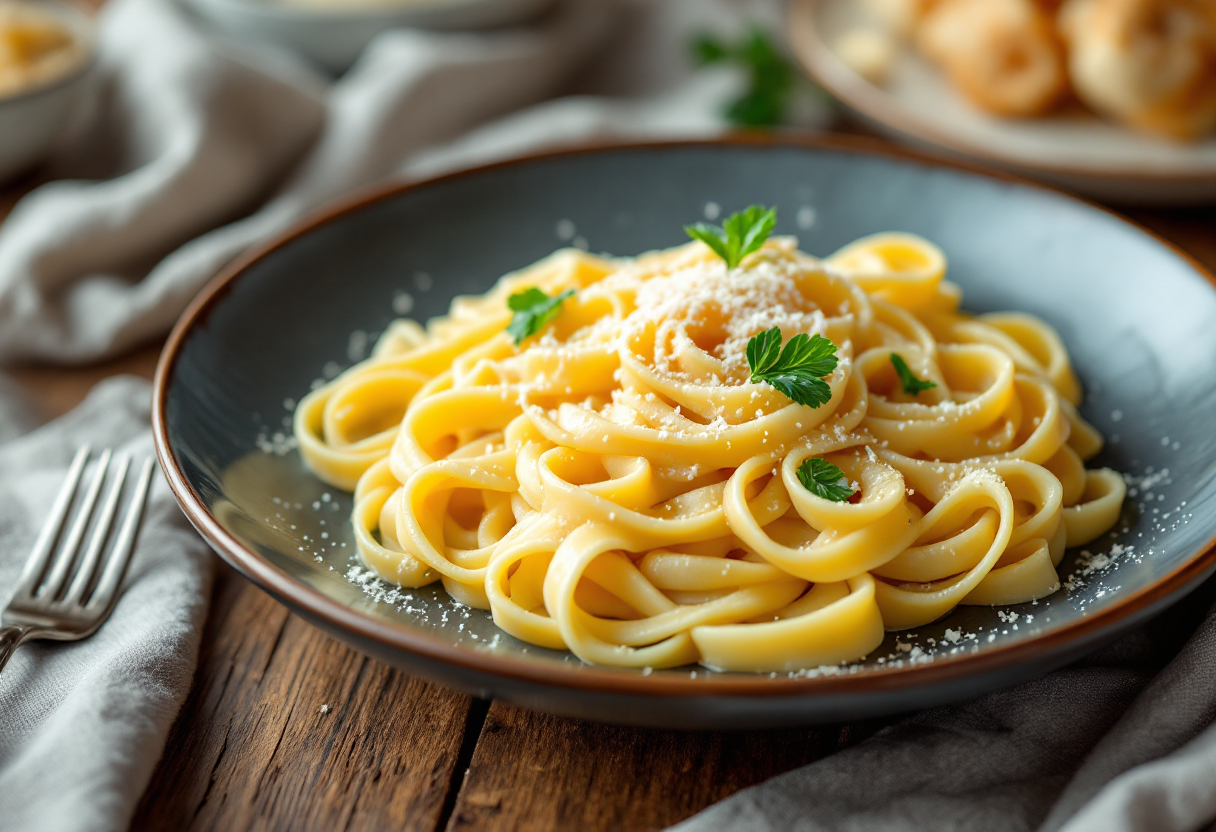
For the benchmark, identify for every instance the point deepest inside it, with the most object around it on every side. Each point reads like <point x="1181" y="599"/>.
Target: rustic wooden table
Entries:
<point x="252" y="749"/>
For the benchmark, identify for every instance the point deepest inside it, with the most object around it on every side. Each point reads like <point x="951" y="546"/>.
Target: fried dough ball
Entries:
<point x="1148" y="63"/>
<point x="1005" y="55"/>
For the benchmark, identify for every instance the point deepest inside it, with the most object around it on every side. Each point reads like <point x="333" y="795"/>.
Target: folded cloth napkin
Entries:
<point x="82" y="725"/>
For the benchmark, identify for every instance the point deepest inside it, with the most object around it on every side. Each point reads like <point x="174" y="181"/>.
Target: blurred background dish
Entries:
<point x="332" y="33"/>
<point x="46" y="53"/>
<point x="998" y="83"/>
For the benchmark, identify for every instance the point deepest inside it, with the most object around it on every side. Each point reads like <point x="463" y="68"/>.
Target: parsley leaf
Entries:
<point x="771" y="77"/>
<point x="798" y="370"/>
<point x="823" y="479"/>
<point x="707" y="50"/>
<point x="763" y="350"/>
<point x="912" y="384"/>
<point x="533" y="311"/>
<point x="742" y="233"/>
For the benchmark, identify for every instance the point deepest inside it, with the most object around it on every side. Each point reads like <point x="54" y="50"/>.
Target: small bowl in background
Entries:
<point x="332" y="33"/>
<point x="34" y="119"/>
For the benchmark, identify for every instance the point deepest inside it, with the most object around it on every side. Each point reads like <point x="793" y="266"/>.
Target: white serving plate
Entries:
<point x="1072" y="150"/>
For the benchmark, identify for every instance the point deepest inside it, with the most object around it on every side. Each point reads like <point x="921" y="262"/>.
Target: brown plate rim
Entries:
<point x="858" y="94"/>
<point x="587" y="677"/>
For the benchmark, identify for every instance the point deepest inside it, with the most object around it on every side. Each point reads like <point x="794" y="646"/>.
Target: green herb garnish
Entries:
<point x="533" y="310"/>
<point x="912" y="384"/>
<point x="742" y="233"/>
<point x="798" y="370"/>
<point x="823" y="479"/>
<point x="771" y="77"/>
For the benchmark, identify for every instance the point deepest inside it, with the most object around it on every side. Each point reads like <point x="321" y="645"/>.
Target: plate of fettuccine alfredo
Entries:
<point x="710" y="434"/>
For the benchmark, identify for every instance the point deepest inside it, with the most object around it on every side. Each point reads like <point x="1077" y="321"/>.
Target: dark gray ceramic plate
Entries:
<point x="1137" y="315"/>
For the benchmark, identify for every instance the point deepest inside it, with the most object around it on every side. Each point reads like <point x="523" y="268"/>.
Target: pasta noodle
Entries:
<point x="618" y="487"/>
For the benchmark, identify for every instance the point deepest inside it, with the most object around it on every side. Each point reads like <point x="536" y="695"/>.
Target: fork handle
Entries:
<point x="11" y="638"/>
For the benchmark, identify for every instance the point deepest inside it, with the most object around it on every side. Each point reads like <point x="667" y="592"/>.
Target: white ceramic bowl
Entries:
<point x="34" y="120"/>
<point x="333" y="37"/>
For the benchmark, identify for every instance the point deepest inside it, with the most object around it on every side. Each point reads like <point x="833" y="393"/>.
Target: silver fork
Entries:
<point x="48" y="605"/>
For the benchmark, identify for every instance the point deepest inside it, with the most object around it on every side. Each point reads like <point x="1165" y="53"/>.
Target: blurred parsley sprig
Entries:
<point x="770" y="76"/>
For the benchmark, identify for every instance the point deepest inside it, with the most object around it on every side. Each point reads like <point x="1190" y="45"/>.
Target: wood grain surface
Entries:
<point x="286" y="729"/>
<point x="570" y="774"/>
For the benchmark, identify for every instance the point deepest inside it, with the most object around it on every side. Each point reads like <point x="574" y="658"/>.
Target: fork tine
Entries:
<point x="124" y="545"/>
<point x="36" y="565"/>
<point x="88" y="564"/>
<point x="63" y="562"/>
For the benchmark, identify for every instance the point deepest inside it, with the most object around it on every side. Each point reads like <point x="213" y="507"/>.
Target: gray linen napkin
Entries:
<point x="81" y="725"/>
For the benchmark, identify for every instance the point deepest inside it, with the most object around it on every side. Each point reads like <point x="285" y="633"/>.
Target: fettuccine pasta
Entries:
<point x="617" y="486"/>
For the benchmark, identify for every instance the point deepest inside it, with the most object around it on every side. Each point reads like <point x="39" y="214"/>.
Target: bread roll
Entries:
<point x="1005" y="55"/>
<point x="1148" y="63"/>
